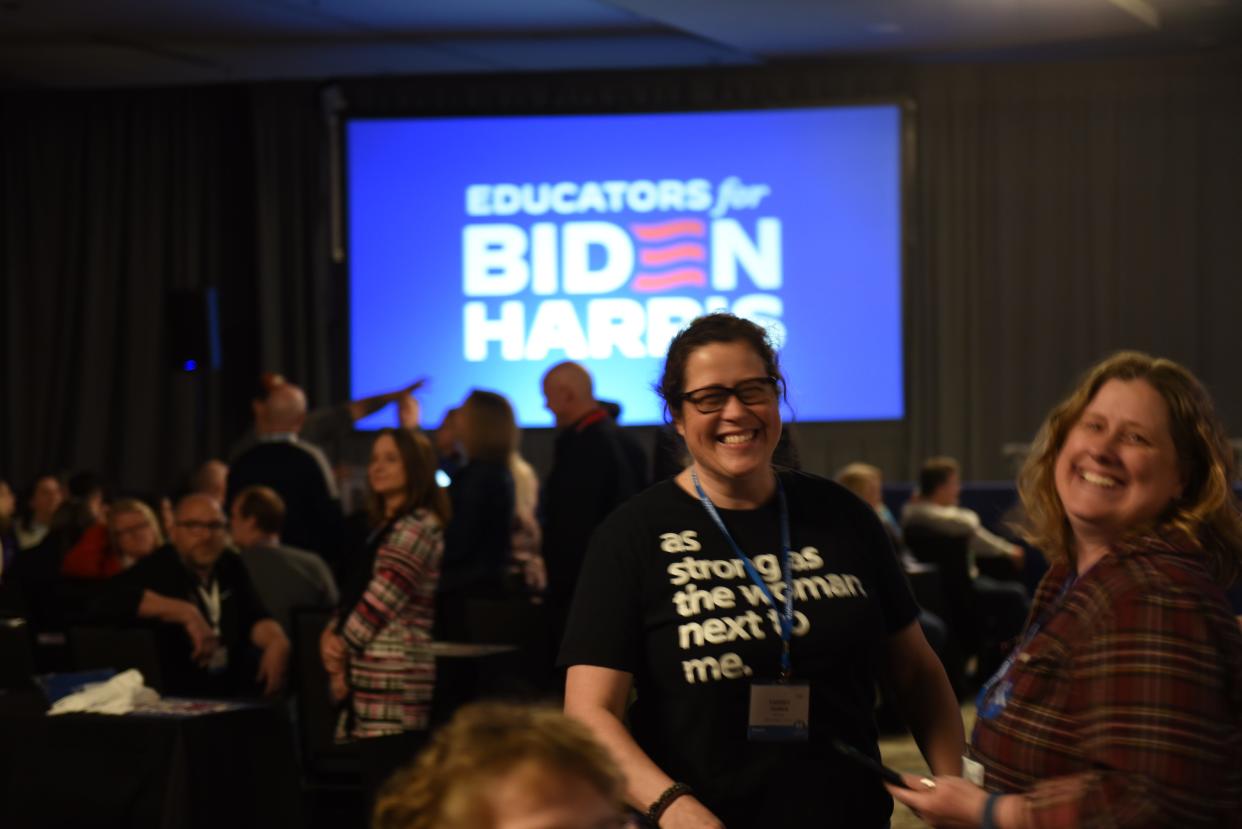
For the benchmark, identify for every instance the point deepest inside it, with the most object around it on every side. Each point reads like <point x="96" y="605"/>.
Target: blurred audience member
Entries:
<point x="477" y="541"/>
<point x="499" y="766"/>
<point x="527" y="570"/>
<point x="131" y="533"/>
<point x="8" y="539"/>
<point x="167" y="515"/>
<point x="134" y="530"/>
<point x="78" y="531"/>
<point x="327" y="427"/>
<point x="630" y="445"/>
<point x="935" y="508"/>
<point x="39" y="506"/>
<point x="377" y="650"/>
<point x="212" y="478"/>
<point x="591" y="474"/>
<point x="448" y="442"/>
<point x="867" y="482"/>
<point x="1000" y="605"/>
<point x="285" y="577"/>
<point x="214" y="636"/>
<point x="297" y="470"/>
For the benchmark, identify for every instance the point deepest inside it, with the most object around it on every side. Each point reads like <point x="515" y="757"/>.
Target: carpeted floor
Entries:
<point x="900" y="753"/>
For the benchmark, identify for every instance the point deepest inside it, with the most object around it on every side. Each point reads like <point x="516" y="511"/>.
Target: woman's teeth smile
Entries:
<point x="737" y="438"/>
<point x="1099" y="480"/>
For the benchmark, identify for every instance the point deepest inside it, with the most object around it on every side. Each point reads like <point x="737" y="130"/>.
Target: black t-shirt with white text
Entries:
<point x="662" y="596"/>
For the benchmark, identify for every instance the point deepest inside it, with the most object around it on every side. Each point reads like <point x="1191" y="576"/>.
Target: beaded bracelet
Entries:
<point x="665" y="800"/>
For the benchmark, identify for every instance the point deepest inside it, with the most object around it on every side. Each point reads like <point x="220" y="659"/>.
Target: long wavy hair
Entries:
<point x="422" y="491"/>
<point x="1204" y="518"/>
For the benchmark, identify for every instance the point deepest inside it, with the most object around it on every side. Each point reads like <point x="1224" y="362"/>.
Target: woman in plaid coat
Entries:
<point x="1121" y="704"/>
<point x="377" y="651"/>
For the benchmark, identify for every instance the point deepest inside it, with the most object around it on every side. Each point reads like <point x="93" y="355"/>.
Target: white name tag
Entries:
<point x="780" y="712"/>
<point x="972" y="770"/>
<point x="219" y="660"/>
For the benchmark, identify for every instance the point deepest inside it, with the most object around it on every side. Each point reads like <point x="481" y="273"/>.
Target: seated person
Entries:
<point x="935" y="507"/>
<point x="208" y="616"/>
<point x="866" y="481"/>
<point x="934" y="511"/>
<point x="132" y="533"/>
<point x="41" y="502"/>
<point x="285" y="577"/>
<point x="496" y="766"/>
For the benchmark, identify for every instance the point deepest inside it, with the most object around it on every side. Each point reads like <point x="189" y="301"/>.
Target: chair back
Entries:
<point x="16" y="654"/>
<point x="951" y="555"/>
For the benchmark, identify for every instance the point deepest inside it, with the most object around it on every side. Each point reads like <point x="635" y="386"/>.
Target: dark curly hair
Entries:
<point x="719" y="327"/>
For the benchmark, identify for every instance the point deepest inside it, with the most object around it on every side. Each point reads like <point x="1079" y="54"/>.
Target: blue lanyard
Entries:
<point x="994" y="695"/>
<point x="787" y="614"/>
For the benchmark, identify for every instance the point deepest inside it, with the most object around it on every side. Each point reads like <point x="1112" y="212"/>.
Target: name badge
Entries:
<point x="780" y="712"/>
<point x="219" y="660"/>
<point x="972" y="770"/>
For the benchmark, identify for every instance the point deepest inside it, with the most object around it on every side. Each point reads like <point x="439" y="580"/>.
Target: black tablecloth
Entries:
<point x="228" y="769"/>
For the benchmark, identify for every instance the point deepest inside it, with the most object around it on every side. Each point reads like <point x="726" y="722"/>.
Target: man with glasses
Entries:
<point x="213" y="634"/>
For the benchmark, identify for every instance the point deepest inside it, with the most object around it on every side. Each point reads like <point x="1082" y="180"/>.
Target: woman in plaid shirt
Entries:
<point x="1121" y="704"/>
<point x="377" y="651"/>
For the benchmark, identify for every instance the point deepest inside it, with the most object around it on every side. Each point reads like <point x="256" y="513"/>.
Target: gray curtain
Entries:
<point x="1058" y="211"/>
<point x="1067" y="211"/>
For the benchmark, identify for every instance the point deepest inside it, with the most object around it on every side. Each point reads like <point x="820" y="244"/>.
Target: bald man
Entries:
<point x="215" y="638"/>
<point x="297" y="470"/>
<point x="591" y="474"/>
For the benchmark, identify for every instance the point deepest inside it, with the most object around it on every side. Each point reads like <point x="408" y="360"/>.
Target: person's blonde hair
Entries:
<point x="121" y="505"/>
<point x="857" y="476"/>
<point x="481" y="743"/>
<point x="1206" y="514"/>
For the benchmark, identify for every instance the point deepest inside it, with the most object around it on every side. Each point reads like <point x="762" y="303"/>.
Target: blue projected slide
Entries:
<point x="485" y="250"/>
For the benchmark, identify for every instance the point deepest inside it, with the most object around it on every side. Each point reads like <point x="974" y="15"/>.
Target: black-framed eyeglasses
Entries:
<point x="753" y="392"/>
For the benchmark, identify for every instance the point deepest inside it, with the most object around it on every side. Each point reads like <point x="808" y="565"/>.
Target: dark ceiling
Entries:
<point x="77" y="43"/>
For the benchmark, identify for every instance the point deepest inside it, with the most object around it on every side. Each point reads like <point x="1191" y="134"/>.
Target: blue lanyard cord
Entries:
<point x="994" y="694"/>
<point x="787" y="613"/>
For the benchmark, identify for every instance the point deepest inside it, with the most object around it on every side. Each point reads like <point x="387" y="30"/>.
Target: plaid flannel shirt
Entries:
<point x="1126" y="707"/>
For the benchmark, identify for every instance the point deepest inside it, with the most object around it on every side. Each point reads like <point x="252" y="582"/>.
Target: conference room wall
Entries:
<point x="1059" y="211"/>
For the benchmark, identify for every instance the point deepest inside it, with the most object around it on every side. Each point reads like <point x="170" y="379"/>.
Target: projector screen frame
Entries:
<point x="481" y="108"/>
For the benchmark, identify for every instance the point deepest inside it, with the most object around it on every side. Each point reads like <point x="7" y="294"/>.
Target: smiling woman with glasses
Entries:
<point x="753" y="611"/>
<point x="757" y="391"/>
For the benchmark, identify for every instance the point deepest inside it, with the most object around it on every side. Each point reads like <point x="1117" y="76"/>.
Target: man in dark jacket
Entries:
<point x="592" y="472"/>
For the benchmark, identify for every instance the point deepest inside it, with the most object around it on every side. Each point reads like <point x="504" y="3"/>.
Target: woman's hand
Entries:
<point x="338" y="686"/>
<point x="954" y="803"/>
<point x="686" y="812"/>
<point x="332" y="651"/>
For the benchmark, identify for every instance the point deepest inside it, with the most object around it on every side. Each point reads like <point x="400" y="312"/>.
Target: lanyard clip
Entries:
<point x="786" y="673"/>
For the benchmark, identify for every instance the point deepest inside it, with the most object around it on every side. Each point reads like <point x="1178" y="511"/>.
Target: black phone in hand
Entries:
<point x="868" y="762"/>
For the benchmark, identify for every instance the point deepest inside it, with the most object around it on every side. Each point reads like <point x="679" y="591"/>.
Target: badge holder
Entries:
<point x="780" y="712"/>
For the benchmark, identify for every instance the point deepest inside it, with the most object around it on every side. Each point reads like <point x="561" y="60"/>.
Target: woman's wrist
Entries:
<point x="666" y="799"/>
<point x="987" y="820"/>
<point x="1003" y="811"/>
